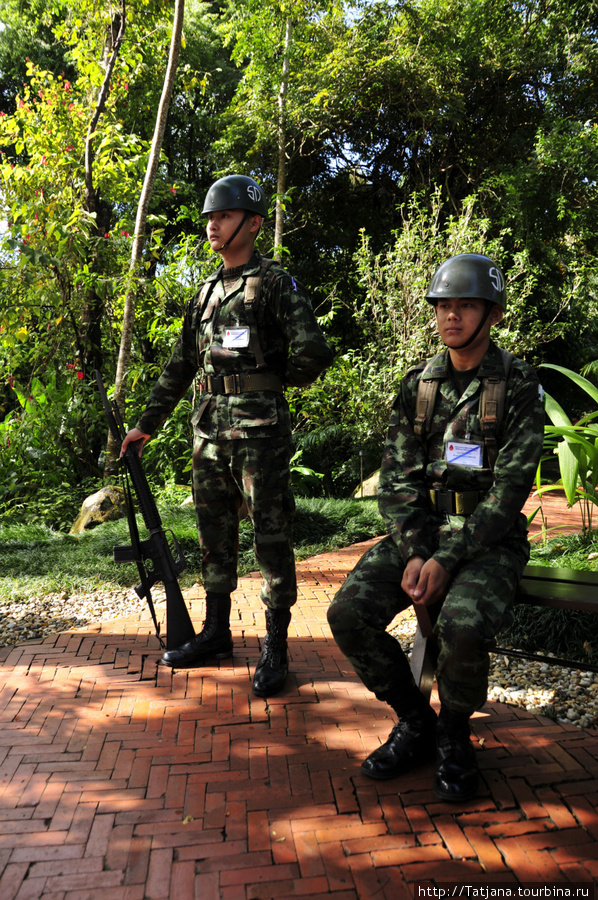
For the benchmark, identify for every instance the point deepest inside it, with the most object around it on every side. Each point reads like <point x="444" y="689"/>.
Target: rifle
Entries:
<point x="156" y="549"/>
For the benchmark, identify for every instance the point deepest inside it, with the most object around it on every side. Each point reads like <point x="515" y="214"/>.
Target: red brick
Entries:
<point x="263" y="873"/>
<point x="486" y="851"/>
<point x="454" y="839"/>
<point x="282" y="842"/>
<point x="346" y="832"/>
<point x="309" y="855"/>
<point x="11" y="879"/>
<point x="258" y="831"/>
<point x="337" y="868"/>
<point x="138" y="860"/>
<point x="379" y="842"/>
<point x="208" y="846"/>
<point x="408" y="855"/>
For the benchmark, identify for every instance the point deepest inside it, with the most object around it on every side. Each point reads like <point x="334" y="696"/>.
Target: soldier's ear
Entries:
<point x="496" y="314"/>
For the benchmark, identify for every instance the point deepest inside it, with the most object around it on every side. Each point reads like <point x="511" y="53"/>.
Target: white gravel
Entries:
<point x="37" y="617"/>
<point x="566" y="695"/>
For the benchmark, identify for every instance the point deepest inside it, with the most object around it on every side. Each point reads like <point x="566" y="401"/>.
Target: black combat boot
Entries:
<point x="273" y="666"/>
<point x="456" y="775"/>
<point x="214" y="641"/>
<point x="411" y="743"/>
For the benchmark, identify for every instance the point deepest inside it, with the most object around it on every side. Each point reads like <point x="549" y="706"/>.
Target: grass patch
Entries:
<point x="35" y="560"/>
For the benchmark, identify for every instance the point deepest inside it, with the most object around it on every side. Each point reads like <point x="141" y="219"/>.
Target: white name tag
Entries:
<point x="464" y="454"/>
<point x="236" y="337"/>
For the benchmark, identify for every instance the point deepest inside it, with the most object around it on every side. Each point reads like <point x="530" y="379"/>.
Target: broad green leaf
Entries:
<point x="579" y="380"/>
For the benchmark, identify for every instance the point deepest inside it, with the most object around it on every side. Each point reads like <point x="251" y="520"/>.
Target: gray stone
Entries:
<point x="370" y="486"/>
<point x="105" y="505"/>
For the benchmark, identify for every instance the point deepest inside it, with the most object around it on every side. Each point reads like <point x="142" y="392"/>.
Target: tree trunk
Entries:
<point x="89" y="332"/>
<point x="281" y="181"/>
<point x="124" y="353"/>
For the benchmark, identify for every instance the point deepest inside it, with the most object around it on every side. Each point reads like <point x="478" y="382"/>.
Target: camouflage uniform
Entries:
<point x="242" y="442"/>
<point x="485" y="552"/>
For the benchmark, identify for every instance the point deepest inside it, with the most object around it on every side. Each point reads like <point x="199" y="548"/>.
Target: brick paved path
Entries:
<point x="122" y="780"/>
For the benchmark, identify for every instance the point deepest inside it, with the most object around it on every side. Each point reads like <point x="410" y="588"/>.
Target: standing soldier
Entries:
<point x="252" y="332"/>
<point x="455" y="475"/>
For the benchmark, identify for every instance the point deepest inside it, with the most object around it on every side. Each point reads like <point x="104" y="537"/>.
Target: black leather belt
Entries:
<point x="455" y="503"/>
<point x="242" y="383"/>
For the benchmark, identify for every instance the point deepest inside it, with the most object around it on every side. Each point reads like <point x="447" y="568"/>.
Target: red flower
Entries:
<point x="80" y="376"/>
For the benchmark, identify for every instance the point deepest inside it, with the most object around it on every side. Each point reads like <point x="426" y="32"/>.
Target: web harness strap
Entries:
<point x="253" y="290"/>
<point x="492" y="406"/>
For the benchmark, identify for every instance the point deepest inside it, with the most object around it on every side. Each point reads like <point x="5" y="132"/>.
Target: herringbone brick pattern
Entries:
<point x="123" y="780"/>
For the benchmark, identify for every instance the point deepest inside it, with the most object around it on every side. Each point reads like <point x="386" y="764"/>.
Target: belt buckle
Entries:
<point x="461" y="507"/>
<point x="232" y="384"/>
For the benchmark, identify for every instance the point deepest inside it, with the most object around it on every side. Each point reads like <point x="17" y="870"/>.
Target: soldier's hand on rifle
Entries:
<point x="136" y="439"/>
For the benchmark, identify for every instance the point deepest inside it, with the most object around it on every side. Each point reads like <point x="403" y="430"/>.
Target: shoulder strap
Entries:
<point x="204" y="296"/>
<point x="424" y="405"/>
<point x="253" y="290"/>
<point x="492" y="407"/>
<point x="426" y="397"/>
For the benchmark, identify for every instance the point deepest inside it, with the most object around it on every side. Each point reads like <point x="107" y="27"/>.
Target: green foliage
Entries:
<point x="47" y="461"/>
<point x="576" y="446"/>
<point x="413" y="130"/>
<point x="168" y="454"/>
<point x="305" y="482"/>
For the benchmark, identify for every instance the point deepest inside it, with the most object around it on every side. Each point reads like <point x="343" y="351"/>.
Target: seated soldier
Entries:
<point x="451" y="491"/>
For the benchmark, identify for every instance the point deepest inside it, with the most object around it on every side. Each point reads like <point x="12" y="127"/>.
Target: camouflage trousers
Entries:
<point x="255" y="470"/>
<point x="477" y="604"/>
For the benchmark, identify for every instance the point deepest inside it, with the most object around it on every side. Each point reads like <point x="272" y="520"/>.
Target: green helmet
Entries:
<point x="236" y="192"/>
<point x="468" y="275"/>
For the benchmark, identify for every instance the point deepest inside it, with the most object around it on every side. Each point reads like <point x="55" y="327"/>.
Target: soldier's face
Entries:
<point x="223" y="224"/>
<point x="458" y="317"/>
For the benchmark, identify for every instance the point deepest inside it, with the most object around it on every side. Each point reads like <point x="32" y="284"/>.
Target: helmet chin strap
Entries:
<point x="469" y="340"/>
<point x="246" y="215"/>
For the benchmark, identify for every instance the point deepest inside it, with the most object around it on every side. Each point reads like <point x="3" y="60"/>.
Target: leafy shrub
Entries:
<point x="566" y="633"/>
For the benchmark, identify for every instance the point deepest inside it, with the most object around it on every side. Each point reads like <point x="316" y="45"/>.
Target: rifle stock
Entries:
<point x="156" y="549"/>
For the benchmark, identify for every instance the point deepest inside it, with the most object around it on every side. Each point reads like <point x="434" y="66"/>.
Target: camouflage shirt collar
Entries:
<point x="438" y="367"/>
<point x="492" y="365"/>
<point x="251" y="267"/>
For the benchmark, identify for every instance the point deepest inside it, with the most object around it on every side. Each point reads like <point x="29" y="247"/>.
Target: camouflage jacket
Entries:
<point x="410" y="465"/>
<point x="292" y="344"/>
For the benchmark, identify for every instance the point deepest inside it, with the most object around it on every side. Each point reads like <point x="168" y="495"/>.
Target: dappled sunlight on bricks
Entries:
<point x="128" y="779"/>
